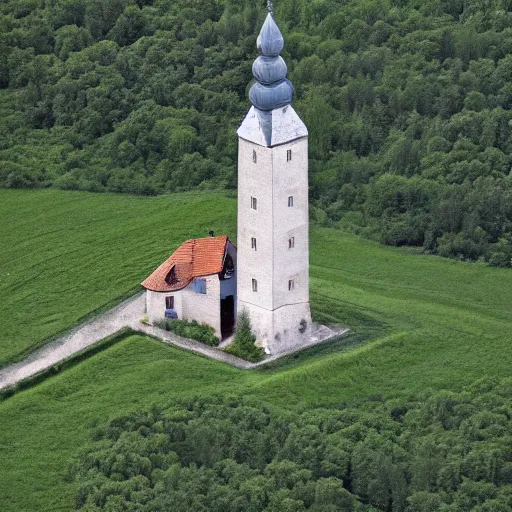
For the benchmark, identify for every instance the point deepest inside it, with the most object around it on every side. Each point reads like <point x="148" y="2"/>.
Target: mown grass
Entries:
<point x="41" y="428"/>
<point x="65" y="255"/>
<point x="418" y="322"/>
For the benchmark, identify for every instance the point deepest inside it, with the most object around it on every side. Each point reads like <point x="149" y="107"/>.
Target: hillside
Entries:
<point x="65" y="255"/>
<point x="419" y="324"/>
<point x="407" y="103"/>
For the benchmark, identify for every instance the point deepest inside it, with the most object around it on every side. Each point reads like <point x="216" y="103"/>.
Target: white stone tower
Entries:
<point x="273" y="242"/>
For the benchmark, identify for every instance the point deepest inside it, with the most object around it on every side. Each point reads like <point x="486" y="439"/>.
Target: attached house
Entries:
<point x="198" y="282"/>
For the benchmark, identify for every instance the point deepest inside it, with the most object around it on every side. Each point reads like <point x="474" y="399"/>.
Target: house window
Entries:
<point x="169" y="302"/>
<point x="229" y="268"/>
<point x="253" y="243"/>
<point x="171" y="278"/>
<point x="254" y="285"/>
<point x="199" y="286"/>
<point x="254" y="156"/>
<point x="290" y="202"/>
<point x="291" y="243"/>
<point x="291" y="284"/>
<point x="288" y="155"/>
<point x="254" y="203"/>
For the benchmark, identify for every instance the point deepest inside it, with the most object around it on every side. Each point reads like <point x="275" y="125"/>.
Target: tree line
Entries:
<point x="407" y="103"/>
<point x="447" y="452"/>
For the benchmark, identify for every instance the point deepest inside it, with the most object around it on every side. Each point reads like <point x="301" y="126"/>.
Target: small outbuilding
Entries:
<point x="198" y="282"/>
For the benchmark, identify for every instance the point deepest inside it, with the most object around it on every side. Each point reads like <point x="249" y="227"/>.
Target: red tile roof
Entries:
<point x="194" y="258"/>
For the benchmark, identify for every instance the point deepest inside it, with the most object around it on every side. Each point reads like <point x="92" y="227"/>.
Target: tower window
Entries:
<point x="288" y="155"/>
<point x="291" y="243"/>
<point x="169" y="302"/>
<point x="291" y="284"/>
<point x="254" y="285"/>
<point x="253" y="243"/>
<point x="290" y="202"/>
<point x="254" y="156"/>
<point x="254" y="203"/>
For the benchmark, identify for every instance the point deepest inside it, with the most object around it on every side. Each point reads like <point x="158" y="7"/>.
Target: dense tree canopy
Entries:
<point x="408" y="103"/>
<point x="449" y="452"/>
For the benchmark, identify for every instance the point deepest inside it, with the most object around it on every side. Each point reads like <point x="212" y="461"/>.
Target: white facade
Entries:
<point x="273" y="238"/>
<point x="189" y="304"/>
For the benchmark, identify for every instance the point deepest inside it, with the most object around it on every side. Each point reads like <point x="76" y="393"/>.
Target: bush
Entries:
<point x="243" y="345"/>
<point x="500" y="254"/>
<point x="192" y="330"/>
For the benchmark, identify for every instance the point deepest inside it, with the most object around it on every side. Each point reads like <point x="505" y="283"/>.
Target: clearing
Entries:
<point x="418" y="322"/>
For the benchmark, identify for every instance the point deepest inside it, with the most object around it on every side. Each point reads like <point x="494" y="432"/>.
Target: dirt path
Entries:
<point x="129" y="314"/>
<point x="76" y="340"/>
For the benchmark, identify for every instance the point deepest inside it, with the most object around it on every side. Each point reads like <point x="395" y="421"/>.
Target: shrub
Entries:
<point x="500" y="254"/>
<point x="199" y="332"/>
<point x="243" y="345"/>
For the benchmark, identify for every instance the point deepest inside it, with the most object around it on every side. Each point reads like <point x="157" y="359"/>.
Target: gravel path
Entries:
<point x="76" y="340"/>
<point x="129" y="314"/>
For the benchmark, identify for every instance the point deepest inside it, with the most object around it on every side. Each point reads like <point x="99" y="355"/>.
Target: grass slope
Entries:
<point x="64" y="255"/>
<point x="420" y="322"/>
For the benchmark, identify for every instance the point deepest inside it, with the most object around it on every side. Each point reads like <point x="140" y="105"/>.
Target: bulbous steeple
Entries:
<point x="272" y="89"/>
<point x="271" y="121"/>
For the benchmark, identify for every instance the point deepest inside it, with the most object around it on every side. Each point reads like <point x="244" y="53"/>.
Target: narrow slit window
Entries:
<point x="254" y="285"/>
<point x="291" y="284"/>
<point x="169" y="302"/>
<point x="253" y="243"/>
<point x="288" y="155"/>
<point x="254" y="203"/>
<point x="254" y="156"/>
<point x="291" y="243"/>
<point x="290" y="202"/>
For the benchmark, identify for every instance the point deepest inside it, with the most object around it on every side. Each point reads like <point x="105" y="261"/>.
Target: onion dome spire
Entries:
<point x="272" y="89"/>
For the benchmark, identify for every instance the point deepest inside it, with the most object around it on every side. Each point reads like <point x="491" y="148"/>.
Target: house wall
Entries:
<point x="203" y="308"/>
<point x="155" y="304"/>
<point x="189" y="305"/>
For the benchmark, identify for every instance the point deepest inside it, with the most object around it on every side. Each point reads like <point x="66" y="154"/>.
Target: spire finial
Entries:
<point x="272" y="90"/>
<point x="270" y="7"/>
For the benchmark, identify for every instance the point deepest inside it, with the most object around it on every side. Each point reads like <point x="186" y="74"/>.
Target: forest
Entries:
<point x="407" y="103"/>
<point x="449" y="452"/>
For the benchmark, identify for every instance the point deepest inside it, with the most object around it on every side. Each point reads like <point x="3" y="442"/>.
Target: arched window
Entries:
<point x="229" y="268"/>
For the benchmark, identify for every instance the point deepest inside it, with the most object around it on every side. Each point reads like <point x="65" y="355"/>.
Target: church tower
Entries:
<point x="273" y="241"/>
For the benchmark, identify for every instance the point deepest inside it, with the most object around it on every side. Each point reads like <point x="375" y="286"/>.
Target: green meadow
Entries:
<point x="65" y="255"/>
<point x="418" y="323"/>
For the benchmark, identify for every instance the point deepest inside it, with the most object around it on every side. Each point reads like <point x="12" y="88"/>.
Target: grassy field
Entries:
<point x="420" y="322"/>
<point x="64" y="255"/>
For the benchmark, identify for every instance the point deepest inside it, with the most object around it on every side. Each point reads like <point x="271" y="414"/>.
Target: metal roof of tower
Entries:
<point x="271" y="120"/>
